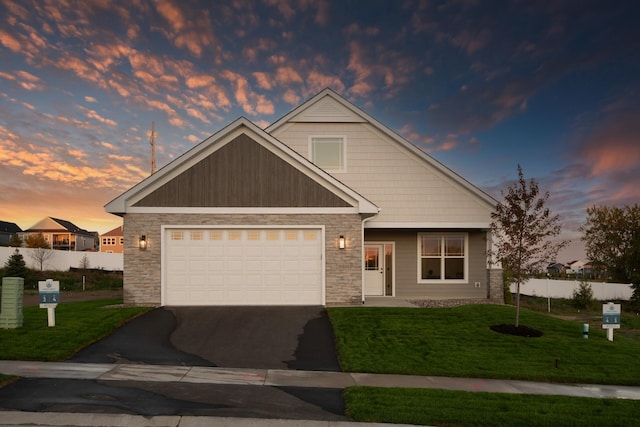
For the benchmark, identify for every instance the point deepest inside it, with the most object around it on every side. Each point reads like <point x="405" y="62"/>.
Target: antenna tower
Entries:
<point x="153" y="147"/>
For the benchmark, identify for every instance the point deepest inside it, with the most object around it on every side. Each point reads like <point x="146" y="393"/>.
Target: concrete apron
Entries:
<point x="295" y="378"/>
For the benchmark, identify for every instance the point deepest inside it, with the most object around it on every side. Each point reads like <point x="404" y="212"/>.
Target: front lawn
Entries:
<point x="78" y="324"/>
<point x="459" y="408"/>
<point x="458" y="342"/>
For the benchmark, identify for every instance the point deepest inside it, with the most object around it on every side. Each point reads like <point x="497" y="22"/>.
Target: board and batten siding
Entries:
<point x="242" y="174"/>
<point x="405" y="187"/>
<point x="406" y="267"/>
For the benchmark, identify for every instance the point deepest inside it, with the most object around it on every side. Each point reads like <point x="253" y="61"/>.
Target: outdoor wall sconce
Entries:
<point x="142" y="243"/>
<point x="342" y="243"/>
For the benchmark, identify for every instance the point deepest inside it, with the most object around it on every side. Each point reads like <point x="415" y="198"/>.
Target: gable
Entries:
<point x="47" y="224"/>
<point x="247" y="163"/>
<point x="411" y="187"/>
<point x="242" y="173"/>
<point x="327" y="110"/>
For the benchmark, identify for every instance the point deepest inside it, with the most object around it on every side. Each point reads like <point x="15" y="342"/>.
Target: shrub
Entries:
<point x="583" y="296"/>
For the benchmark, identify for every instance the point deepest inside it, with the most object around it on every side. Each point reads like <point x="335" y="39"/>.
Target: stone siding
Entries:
<point x="495" y="282"/>
<point x="142" y="268"/>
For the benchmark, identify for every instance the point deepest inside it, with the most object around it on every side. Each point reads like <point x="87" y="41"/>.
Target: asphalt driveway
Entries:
<point x="230" y="337"/>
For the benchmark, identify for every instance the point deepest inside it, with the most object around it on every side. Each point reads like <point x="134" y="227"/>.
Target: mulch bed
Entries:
<point x="520" y="330"/>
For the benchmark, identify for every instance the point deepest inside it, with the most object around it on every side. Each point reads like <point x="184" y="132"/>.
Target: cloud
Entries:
<point x="92" y="114"/>
<point x="190" y="28"/>
<point x="251" y="102"/>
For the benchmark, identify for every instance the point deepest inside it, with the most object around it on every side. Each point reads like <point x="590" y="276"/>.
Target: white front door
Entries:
<point x="374" y="270"/>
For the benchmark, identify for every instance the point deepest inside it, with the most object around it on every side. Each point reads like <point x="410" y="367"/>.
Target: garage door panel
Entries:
<point x="243" y="267"/>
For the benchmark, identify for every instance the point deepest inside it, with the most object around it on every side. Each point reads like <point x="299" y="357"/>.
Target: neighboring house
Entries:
<point x="326" y="206"/>
<point x="556" y="269"/>
<point x="63" y="235"/>
<point x="575" y="267"/>
<point x="112" y="241"/>
<point x="7" y="230"/>
<point x="580" y="268"/>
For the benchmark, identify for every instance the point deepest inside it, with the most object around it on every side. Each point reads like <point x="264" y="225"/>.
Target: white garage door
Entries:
<point x="243" y="267"/>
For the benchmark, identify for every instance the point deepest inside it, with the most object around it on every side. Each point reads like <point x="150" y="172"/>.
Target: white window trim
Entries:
<point x="344" y="151"/>
<point x="443" y="281"/>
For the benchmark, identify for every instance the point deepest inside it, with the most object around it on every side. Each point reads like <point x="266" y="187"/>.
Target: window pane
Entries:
<point x="327" y="153"/>
<point x="430" y="246"/>
<point x="431" y="268"/>
<point x="454" y="246"/>
<point x="454" y="268"/>
<point x="371" y="258"/>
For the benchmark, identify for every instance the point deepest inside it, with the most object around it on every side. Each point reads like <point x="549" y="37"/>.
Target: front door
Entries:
<point x="374" y="270"/>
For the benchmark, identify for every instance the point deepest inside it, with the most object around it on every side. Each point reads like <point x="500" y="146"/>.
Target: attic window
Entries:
<point x="328" y="152"/>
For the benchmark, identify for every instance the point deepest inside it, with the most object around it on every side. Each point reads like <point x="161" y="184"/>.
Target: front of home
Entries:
<point x="326" y="206"/>
<point x="62" y="235"/>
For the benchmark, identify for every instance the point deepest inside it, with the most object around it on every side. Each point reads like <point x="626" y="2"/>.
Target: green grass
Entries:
<point x="77" y="325"/>
<point x="458" y="408"/>
<point x="458" y="342"/>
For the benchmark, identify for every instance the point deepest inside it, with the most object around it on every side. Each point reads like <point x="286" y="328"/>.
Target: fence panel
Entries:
<point x="63" y="260"/>
<point x="564" y="289"/>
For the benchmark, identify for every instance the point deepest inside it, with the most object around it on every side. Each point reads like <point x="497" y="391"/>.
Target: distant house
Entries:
<point x="7" y="230"/>
<point x="112" y="241"/>
<point x="556" y="269"/>
<point x="576" y="268"/>
<point x="63" y="235"/>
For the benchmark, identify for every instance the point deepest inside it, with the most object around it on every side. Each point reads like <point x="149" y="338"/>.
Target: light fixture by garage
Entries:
<point x="142" y="243"/>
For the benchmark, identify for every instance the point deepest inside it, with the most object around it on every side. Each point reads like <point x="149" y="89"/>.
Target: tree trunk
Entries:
<point x="518" y="304"/>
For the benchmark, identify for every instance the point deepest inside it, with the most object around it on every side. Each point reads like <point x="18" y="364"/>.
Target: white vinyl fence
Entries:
<point x="564" y="289"/>
<point x="63" y="260"/>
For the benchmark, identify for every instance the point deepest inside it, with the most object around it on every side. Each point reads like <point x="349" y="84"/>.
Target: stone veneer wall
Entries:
<point x="495" y="285"/>
<point x="142" y="272"/>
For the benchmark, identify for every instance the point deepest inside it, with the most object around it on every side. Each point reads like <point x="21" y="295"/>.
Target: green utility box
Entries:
<point x="11" y="308"/>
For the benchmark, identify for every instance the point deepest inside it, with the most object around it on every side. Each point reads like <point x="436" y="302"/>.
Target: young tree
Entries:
<point x="36" y="241"/>
<point x="41" y="252"/>
<point x="525" y="232"/>
<point x="15" y="241"/>
<point x="15" y="266"/>
<point x="612" y="239"/>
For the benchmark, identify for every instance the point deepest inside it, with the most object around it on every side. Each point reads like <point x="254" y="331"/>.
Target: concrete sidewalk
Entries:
<point x="258" y="378"/>
<point x="294" y="378"/>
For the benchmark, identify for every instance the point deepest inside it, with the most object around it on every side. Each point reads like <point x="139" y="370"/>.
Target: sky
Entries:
<point x="481" y="86"/>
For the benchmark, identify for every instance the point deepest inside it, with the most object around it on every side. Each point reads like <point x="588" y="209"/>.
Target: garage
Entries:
<point x="243" y="266"/>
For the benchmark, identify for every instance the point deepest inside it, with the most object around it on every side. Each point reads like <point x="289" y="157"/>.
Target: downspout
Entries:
<point x="362" y="254"/>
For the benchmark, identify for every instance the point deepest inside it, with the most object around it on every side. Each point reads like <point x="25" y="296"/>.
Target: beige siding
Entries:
<point x="406" y="188"/>
<point x="406" y="274"/>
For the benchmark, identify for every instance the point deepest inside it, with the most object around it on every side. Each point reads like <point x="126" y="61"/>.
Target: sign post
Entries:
<point x="49" y="298"/>
<point x="610" y="318"/>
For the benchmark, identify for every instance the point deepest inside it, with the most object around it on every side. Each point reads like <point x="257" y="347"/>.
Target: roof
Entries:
<point x="50" y="224"/>
<point x="115" y="232"/>
<point x="126" y="202"/>
<point x="9" y="227"/>
<point x="302" y="110"/>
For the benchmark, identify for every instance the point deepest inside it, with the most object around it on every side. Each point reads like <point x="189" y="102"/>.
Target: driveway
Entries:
<point x="230" y="337"/>
<point x="240" y="337"/>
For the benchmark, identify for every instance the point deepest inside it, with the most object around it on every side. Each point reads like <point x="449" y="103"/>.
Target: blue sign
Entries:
<point x="49" y="291"/>
<point x="611" y="316"/>
<point x="49" y="297"/>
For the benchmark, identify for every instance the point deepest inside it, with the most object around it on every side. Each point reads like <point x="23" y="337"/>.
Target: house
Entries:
<point x="556" y="269"/>
<point x="7" y="231"/>
<point x="112" y="241"/>
<point x="325" y="206"/>
<point x="63" y="235"/>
